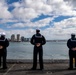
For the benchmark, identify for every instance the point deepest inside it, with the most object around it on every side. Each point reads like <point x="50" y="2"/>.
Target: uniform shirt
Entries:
<point x="71" y="43"/>
<point x="4" y="43"/>
<point x="38" y="38"/>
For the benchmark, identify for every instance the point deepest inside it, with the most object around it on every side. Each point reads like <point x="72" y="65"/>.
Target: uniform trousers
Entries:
<point x="38" y="50"/>
<point x="3" y="56"/>
<point x="72" y="54"/>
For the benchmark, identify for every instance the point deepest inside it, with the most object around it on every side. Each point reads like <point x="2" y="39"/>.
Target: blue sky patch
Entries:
<point x="11" y="8"/>
<point x="60" y="18"/>
<point x="11" y="1"/>
<point x="40" y="18"/>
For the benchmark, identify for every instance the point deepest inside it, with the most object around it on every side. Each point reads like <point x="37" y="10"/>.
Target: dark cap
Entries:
<point x="72" y="34"/>
<point x="37" y="30"/>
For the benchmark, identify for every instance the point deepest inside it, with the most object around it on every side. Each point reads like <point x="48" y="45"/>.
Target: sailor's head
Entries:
<point x="2" y="34"/>
<point x="37" y="30"/>
<point x="72" y="35"/>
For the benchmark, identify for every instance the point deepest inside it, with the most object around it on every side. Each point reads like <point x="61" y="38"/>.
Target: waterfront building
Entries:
<point x="12" y="37"/>
<point x="22" y="38"/>
<point x="27" y="39"/>
<point x="18" y="37"/>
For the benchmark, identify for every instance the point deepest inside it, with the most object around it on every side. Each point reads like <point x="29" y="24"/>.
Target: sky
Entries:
<point x="56" y="19"/>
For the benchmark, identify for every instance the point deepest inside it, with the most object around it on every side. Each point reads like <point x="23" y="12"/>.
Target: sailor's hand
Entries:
<point x="1" y="47"/>
<point x="38" y="44"/>
<point x="74" y="49"/>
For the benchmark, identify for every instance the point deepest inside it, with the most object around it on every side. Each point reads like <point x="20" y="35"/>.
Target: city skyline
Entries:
<point x="55" y="18"/>
<point x="18" y="38"/>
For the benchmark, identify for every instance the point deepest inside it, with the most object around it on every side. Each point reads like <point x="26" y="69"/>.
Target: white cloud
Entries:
<point x="4" y="21"/>
<point x="30" y="9"/>
<point x="71" y="3"/>
<point x="26" y="33"/>
<point x="38" y="24"/>
<point x="61" y="30"/>
<point x="4" y="13"/>
<point x="16" y="25"/>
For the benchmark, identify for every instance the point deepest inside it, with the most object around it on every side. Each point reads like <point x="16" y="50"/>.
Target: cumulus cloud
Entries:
<point x="71" y="3"/>
<point x="38" y="24"/>
<point x="62" y="30"/>
<point x="30" y="9"/>
<point x="24" y="12"/>
<point x="4" y="13"/>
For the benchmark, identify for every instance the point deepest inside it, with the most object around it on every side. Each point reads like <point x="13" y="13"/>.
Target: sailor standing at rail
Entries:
<point x="71" y="43"/>
<point x="38" y="40"/>
<point x="4" y="43"/>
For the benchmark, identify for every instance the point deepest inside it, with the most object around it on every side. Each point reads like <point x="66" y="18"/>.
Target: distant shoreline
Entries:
<point x="46" y="41"/>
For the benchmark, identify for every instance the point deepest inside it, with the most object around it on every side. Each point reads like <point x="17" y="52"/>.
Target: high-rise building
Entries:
<point x="22" y="39"/>
<point x="12" y="37"/>
<point x="18" y="37"/>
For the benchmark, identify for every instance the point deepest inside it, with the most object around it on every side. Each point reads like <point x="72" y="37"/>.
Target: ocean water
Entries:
<point x="24" y="50"/>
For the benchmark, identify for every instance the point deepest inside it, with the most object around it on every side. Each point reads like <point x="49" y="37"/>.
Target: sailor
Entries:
<point x="38" y="40"/>
<point x="71" y="43"/>
<point x="4" y="43"/>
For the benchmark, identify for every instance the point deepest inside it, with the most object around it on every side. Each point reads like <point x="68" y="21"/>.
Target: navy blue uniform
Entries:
<point x="38" y="38"/>
<point x="3" y="52"/>
<point x="71" y="43"/>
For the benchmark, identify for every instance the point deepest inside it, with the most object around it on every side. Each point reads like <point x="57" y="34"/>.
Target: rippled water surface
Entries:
<point x="24" y="50"/>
